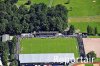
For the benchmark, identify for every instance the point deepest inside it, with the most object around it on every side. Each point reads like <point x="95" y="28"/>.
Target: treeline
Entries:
<point x="19" y="19"/>
<point x="8" y="51"/>
<point x="92" y="31"/>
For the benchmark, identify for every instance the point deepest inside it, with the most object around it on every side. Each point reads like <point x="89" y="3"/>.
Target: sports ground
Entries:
<point x="92" y="44"/>
<point x="49" y="45"/>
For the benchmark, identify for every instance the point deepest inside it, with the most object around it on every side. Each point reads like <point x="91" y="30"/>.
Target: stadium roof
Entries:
<point x="51" y="57"/>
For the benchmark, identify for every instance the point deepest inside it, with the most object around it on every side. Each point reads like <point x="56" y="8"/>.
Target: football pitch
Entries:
<point x="49" y="45"/>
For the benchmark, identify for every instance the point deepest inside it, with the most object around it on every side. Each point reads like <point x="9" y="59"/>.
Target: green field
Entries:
<point x="93" y="36"/>
<point x="84" y="12"/>
<point x="82" y="26"/>
<point x="20" y="2"/>
<point x="97" y="60"/>
<point x="49" y="45"/>
<point x="88" y="64"/>
<point x="79" y="7"/>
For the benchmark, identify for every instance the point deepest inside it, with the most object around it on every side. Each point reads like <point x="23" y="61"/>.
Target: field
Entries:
<point x="20" y="2"/>
<point x="88" y="64"/>
<point x="92" y="44"/>
<point x="83" y="11"/>
<point x="93" y="36"/>
<point x="79" y="7"/>
<point x="82" y="26"/>
<point x="49" y="45"/>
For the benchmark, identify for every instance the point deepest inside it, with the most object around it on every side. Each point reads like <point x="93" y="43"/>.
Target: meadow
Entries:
<point x="83" y="12"/>
<point x="88" y="64"/>
<point x="79" y="7"/>
<point x="49" y="45"/>
<point x="82" y="26"/>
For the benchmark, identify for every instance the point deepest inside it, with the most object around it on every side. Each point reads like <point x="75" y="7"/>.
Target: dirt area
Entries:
<point x="87" y="19"/>
<point x="96" y="65"/>
<point x="81" y="65"/>
<point x="92" y="44"/>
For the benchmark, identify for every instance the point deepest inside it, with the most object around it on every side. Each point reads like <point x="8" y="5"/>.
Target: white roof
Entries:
<point x="51" y="57"/>
<point x="0" y="62"/>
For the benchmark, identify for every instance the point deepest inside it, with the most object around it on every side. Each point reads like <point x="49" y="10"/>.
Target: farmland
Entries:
<point x="49" y="45"/>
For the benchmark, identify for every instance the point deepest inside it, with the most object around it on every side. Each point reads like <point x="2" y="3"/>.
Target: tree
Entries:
<point x="22" y="10"/>
<point x="2" y="28"/>
<point x="17" y="28"/>
<point x="39" y="17"/>
<point x="89" y="30"/>
<point x="25" y="27"/>
<point x="12" y="47"/>
<point x="28" y="2"/>
<point x="11" y="1"/>
<point x="5" y="51"/>
<point x="2" y="6"/>
<point x="4" y="58"/>
<point x="31" y="27"/>
<point x="95" y="31"/>
<point x="91" y="55"/>
<point x="14" y="63"/>
<point x="71" y="30"/>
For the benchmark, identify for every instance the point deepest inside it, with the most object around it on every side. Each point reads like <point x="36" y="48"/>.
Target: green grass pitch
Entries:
<point x="49" y="45"/>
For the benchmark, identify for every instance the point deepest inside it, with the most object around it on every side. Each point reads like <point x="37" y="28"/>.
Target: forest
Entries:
<point x="15" y="20"/>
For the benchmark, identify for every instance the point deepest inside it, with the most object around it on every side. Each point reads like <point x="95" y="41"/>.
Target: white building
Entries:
<point x="27" y="35"/>
<point x="6" y="37"/>
<point x="0" y="62"/>
<point x="45" y="58"/>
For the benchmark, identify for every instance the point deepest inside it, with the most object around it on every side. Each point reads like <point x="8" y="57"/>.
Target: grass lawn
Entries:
<point x="93" y="36"/>
<point x="20" y="2"/>
<point x="97" y="60"/>
<point x="49" y="45"/>
<point x="82" y="26"/>
<point x="88" y="64"/>
<point x="79" y="7"/>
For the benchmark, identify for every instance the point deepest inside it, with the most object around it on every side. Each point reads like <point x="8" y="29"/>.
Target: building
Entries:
<point x="27" y="35"/>
<point x="0" y="62"/>
<point x="46" y="34"/>
<point x="50" y="58"/>
<point x="6" y="37"/>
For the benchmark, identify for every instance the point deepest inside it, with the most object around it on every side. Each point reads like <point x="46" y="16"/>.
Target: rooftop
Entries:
<point x="51" y="57"/>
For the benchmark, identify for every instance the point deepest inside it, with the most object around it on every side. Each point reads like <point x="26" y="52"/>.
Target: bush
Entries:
<point x="91" y="55"/>
<point x="28" y="2"/>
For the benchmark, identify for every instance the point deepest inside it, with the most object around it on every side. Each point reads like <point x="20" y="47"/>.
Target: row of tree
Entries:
<point x="39" y="17"/>
<point x="92" y="31"/>
<point x="8" y="50"/>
